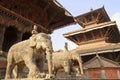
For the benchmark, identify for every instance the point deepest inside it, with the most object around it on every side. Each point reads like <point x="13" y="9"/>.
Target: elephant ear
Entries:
<point x="32" y="41"/>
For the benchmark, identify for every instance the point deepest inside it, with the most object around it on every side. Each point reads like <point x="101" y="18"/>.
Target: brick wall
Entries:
<point x="105" y="73"/>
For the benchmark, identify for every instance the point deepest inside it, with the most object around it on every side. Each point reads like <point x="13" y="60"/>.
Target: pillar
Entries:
<point x="2" y="30"/>
<point x="103" y="76"/>
<point x="86" y="73"/>
<point x="118" y="73"/>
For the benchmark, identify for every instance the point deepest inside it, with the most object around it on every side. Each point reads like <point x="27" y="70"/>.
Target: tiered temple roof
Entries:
<point x="93" y="17"/>
<point x="99" y="34"/>
<point x="108" y="31"/>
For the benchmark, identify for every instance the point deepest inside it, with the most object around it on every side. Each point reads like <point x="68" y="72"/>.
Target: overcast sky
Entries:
<point x="78" y="7"/>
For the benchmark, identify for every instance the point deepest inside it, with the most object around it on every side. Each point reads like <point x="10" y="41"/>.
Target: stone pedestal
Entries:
<point x="30" y="79"/>
<point x="60" y="78"/>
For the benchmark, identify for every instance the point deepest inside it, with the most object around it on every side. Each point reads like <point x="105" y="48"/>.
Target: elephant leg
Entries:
<point x="72" y="70"/>
<point x="66" y="67"/>
<point x="67" y="70"/>
<point x="33" y="69"/>
<point x="20" y="71"/>
<point x="40" y="64"/>
<point x="55" y="72"/>
<point x="14" y="73"/>
<point x="9" y="71"/>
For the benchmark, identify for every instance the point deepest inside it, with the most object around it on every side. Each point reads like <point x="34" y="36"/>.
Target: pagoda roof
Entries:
<point x="98" y="13"/>
<point x="48" y="15"/>
<point x="87" y="29"/>
<point x="111" y="27"/>
<point x="100" y="62"/>
<point x="100" y="48"/>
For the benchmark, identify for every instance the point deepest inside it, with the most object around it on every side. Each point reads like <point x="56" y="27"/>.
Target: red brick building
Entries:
<point x="101" y="68"/>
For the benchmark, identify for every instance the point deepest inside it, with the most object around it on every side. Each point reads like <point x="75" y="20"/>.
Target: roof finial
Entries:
<point x="91" y="9"/>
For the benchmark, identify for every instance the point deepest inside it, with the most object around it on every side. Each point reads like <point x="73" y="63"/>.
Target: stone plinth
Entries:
<point x="69" y="78"/>
<point x="29" y="79"/>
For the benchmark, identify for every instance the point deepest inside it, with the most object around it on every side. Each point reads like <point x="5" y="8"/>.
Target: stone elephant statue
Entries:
<point x="63" y="59"/>
<point x="31" y="53"/>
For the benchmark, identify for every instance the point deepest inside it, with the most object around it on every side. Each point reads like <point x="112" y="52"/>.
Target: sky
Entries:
<point x="78" y="7"/>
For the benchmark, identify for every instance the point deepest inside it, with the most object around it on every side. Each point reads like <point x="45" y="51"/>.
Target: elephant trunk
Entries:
<point x="81" y="68"/>
<point x="80" y="65"/>
<point x="49" y="59"/>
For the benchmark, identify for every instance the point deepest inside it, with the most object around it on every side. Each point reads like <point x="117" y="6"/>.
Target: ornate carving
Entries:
<point x="32" y="56"/>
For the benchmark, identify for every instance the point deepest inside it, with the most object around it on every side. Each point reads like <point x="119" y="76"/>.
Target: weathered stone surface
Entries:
<point x="31" y="53"/>
<point x="64" y="59"/>
<point x="70" y="78"/>
<point x="29" y="79"/>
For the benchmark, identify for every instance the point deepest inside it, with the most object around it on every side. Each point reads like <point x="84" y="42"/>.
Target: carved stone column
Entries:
<point x="2" y="30"/>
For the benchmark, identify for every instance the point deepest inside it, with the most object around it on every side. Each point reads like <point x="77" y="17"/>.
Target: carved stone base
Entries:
<point x="30" y="79"/>
<point x="60" y="78"/>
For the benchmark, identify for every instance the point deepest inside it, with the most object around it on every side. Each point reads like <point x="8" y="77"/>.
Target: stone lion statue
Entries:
<point x="31" y="53"/>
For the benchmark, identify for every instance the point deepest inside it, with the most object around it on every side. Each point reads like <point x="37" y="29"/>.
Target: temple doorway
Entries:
<point x="10" y="38"/>
<point x="26" y="35"/>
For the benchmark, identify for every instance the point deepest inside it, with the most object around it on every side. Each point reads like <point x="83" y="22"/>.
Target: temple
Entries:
<point x="99" y="35"/>
<point x="18" y="17"/>
<point x="98" y="40"/>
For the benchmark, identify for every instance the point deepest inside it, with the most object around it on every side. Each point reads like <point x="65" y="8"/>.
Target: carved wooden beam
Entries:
<point x="19" y="18"/>
<point x="77" y="38"/>
<point x="44" y="10"/>
<point x="85" y="37"/>
<point x="109" y="31"/>
<point x="85" y="20"/>
<point x="72" y="39"/>
<point x="80" y="22"/>
<point x="118" y="57"/>
<point x="51" y="19"/>
<point x="98" y="16"/>
<point x="93" y="34"/>
<point x="101" y="33"/>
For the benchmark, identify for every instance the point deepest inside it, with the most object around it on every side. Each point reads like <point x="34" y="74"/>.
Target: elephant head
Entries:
<point x="41" y="41"/>
<point x="75" y="56"/>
